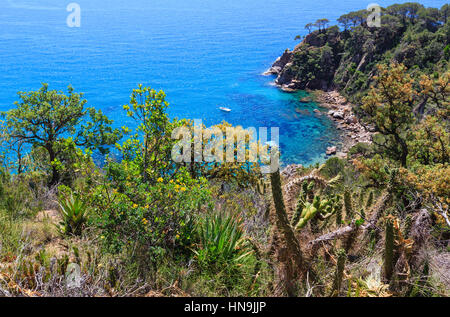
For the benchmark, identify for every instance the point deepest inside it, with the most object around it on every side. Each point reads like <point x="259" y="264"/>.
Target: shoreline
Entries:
<point x="341" y="112"/>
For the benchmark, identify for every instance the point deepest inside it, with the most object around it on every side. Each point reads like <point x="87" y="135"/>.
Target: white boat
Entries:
<point x="225" y="109"/>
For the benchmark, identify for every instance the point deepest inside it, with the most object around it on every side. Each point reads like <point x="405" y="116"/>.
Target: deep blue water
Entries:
<point x="202" y="53"/>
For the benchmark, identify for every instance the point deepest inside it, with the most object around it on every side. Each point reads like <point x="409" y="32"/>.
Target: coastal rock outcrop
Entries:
<point x="293" y="68"/>
<point x="280" y="63"/>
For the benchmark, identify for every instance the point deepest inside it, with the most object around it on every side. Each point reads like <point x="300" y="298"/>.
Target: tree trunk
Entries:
<point x="55" y="174"/>
<point x="404" y="150"/>
<point x="144" y="171"/>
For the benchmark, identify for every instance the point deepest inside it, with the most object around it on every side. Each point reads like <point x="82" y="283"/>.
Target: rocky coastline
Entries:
<point x="339" y="109"/>
<point x="341" y="112"/>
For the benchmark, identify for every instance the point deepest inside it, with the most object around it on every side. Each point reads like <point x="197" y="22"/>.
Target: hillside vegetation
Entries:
<point x="346" y="59"/>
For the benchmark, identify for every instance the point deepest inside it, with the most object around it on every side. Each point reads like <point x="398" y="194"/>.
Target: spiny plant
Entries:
<point x="348" y="205"/>
<point x="339" y="274"/>
<point x="74" y="214"/>
<point x="363" y="214"/>
<point x="389" y="249"/>
<point x="261" y="186"/>
<point x="305" y="192"/>
<point x="362" y="196"/>
<point x="319" y="209"/>
<point x="369" y="202"/>
<point x="292" y="245"/>
<point x="222" y="241"/>
<point x="338" y="210"/>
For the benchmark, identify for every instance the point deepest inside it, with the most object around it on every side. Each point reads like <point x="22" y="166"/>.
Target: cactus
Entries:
<point x="369" y="202"/>
<point x="292" y="244"/>
<point x="363" y="214"/>
<point x="319" y="209"/>
<point x="298" y="211"/>
<point x="408" y="225"/>
<point x="303" y="197"/>
<point x="339" y="274"/>
<point x="362" y="196"/>
<point x="338" y="210"/>
<point x="348" y="205"/>
<point x="348" y="244"/>
<point x="308" y="212"/>
<point x="261" y="186"/>
<point x="389" y="249"/>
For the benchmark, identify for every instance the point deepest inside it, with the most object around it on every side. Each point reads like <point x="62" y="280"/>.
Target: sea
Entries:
<point x="204" y="54"/>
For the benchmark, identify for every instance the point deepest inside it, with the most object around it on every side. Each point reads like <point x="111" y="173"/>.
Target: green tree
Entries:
<point x="445" y="12"/>
<point x="344" y="21"/>
<point x="49" y="119"/>
<point x="388" y="107"/>
<point x="151" y="145"/>
<point x="322" y="23"/>
<point x="309" y="27"/>
<point x="431" y="142"/>
<point x="398" y="10"/>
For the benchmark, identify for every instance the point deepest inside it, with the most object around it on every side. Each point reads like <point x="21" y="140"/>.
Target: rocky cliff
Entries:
<point x="312" y="63"/>
<point x="331" y="59"/>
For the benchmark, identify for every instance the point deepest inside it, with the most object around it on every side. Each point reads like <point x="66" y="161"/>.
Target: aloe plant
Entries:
<point x="74" y="213"/>
<point x="222" y="241"/>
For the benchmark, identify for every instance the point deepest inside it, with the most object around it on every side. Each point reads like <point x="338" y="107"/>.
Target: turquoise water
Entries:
<point x="203" y="54"/>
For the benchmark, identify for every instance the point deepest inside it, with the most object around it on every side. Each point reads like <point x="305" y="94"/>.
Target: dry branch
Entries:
<point x="335" y="234"/>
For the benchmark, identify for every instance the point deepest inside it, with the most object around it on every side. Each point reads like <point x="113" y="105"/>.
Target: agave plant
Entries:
<point x="74" y="214"/>
<point x="222" y="241"/>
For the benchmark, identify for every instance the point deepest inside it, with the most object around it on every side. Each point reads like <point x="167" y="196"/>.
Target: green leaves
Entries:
<point x="389" y="107"/>
<point x="222" y="241"/>
<point x="49" y="118"/>
<point x="74" y="214"/>
<point x="151" y="145"/>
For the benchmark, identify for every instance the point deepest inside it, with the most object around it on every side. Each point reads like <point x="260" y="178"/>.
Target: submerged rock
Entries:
<point x="306" y="99"/>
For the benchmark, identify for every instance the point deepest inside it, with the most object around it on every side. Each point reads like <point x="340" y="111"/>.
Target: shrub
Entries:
<point x="361" y="148"/>
<point x="333" y="167"/>
<point x="149" y="219"/>
<point x="74" y="214"/>
<point x="11" y="238"/>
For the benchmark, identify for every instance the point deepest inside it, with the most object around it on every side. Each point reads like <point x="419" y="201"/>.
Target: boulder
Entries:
<point x="331" y="150"/>
<point x="338" y="115"/>
<point x="351" y="119"/>
<point x="291" y="170"/>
